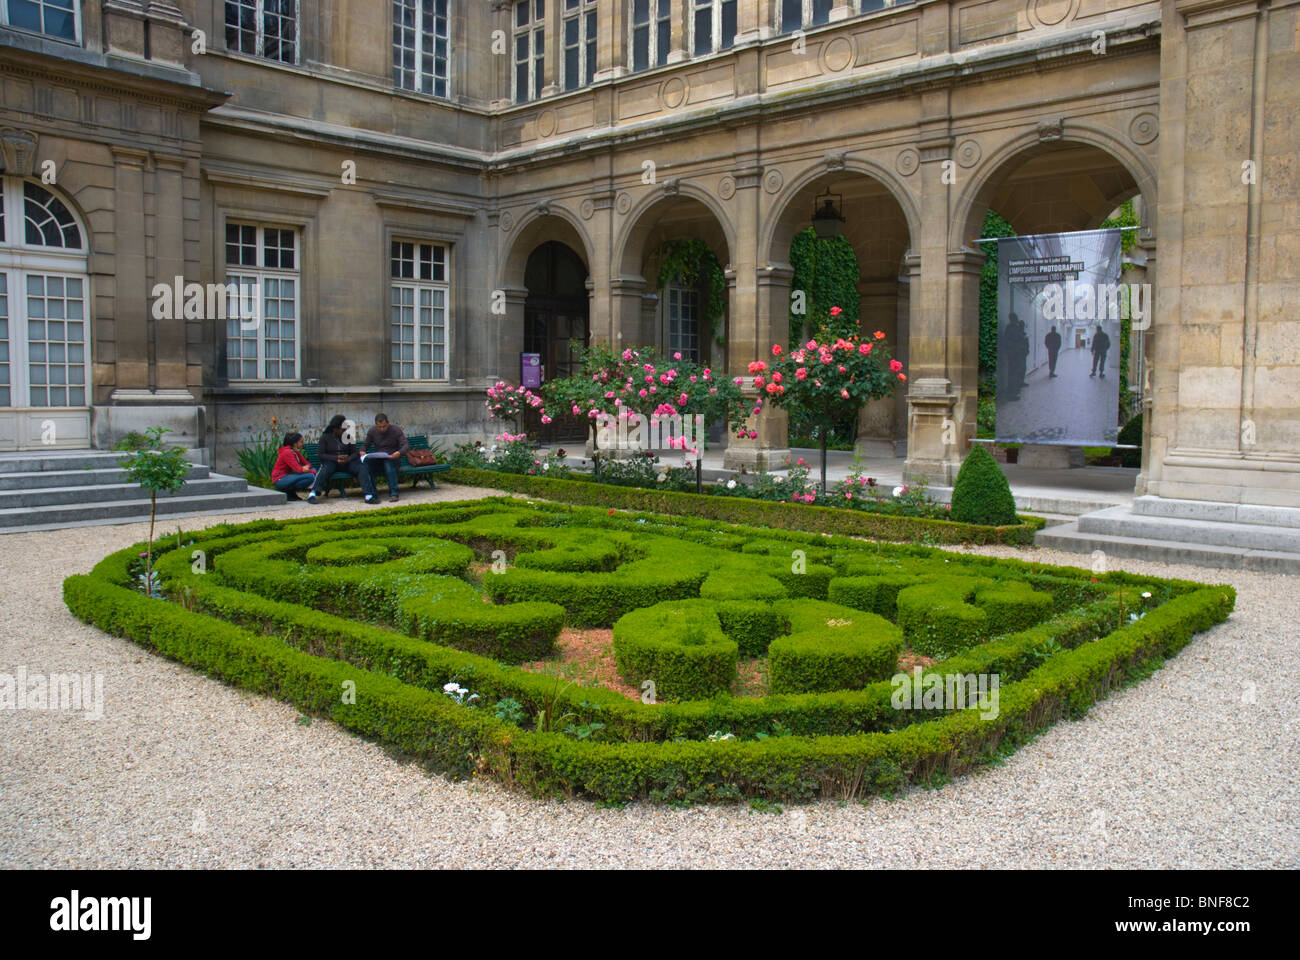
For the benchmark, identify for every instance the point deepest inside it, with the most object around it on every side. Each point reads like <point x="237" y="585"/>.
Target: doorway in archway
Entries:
<point x="557" y="327"/>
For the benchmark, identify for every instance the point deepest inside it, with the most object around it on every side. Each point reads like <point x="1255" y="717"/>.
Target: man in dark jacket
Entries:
<point x="1053" y="343"/>
<point x="1100" y="346"/>
<point x="337" y="456"/>
<point x="385" y="438"/>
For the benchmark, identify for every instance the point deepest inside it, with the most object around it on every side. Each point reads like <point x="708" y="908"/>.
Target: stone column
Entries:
<point x="130" y="290"/>
<point x="843" y="9"/>
<point x="1225" y="419"/>
<point x="626" y="298"/>
<point x="169" y="263"/>
<point x="510" y="336"/>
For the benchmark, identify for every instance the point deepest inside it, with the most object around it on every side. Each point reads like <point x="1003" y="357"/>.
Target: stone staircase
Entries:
<point x="49" y="490"/>
<point x="1220" y="535"/>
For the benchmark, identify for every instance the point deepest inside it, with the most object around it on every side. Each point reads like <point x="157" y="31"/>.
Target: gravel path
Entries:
<point x="182" y="771"/>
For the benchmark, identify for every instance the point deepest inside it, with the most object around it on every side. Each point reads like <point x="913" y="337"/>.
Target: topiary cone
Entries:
<point x="981" y="493"/>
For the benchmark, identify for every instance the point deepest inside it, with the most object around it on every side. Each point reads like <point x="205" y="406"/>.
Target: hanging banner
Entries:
<point x="1059" y="307"/>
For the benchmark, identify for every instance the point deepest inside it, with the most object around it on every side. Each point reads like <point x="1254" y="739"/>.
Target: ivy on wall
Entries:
<point x="690" y="263"/>
<point x="1126" y="217"/>
<point x="826" y="271"/>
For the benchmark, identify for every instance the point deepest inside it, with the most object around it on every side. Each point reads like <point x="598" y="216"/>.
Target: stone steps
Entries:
<point x="51" y="490"/>
<point x="1120" y="532"/>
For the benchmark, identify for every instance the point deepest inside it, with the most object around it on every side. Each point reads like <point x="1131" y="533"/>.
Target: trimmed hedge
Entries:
<point x="847" y="743"/>
<point x="679" y="646"/>
<point x="981" y="494"/>
<point x="831" y="648"/>
<point x="766" y="513"/>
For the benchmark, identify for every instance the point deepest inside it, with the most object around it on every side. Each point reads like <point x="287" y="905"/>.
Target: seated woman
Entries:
<point x="340" y="454"/>
<point x="292" y="472"/>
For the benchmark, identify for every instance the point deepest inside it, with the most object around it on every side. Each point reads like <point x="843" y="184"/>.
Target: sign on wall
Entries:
<point x="1059" y="307"/>
<point x="530" y="370"/>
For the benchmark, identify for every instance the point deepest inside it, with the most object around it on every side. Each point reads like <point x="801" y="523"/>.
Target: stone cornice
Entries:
<point x="424" y="203"/>
<point x="239" y="178"/>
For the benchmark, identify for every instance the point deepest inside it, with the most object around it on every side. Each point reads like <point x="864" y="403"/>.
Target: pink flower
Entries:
<point x="776" y="377"/>
<point x="758" y="381"/>
<point x="627" y="355"/>
<point x="776" y="349"/>
<point x="609" y="394"/>
<point x="545" y="419"/>
<point x="864" y="349"/>
<point x="801" y="373"/>
<point x="576" y="411"/>
<point x="682" y="400"/>
<point x="800" y="462"/>
<point x="836" y="311"/>
<point x="642" y="392"/>
<point x="848" y="496"/>
<point x="895" y="366"/>
<point x="844" y="393"/>
<point x="677" y="356"/>
<point x="771" y="388"/>
<point x="739" y="381"/>
<point x="753" y="434"/>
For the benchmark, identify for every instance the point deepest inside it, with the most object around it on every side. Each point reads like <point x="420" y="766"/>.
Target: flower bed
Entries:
<point x="861" y="522"/>
<point x="398" y="644"/>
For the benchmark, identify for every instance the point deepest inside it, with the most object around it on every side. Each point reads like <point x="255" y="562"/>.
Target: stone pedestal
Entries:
<point x="1050" y="456"/>
<point x="931" y="433"/>
<point x="138" y="410"/>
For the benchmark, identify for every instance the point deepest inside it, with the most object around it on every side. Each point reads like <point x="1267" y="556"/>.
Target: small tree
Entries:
<point x="155" y="468"/>
<point x="981" y="493"/>
<point x="827" y="380"/>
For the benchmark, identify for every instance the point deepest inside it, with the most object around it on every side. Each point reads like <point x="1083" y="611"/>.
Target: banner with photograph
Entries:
<point x="1059" y="309"/>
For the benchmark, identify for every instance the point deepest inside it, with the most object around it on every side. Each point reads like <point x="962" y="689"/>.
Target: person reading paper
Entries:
<point x="385" y="443"/>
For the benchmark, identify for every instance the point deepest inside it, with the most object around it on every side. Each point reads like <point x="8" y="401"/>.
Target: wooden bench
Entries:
<point x="340" y="481"/>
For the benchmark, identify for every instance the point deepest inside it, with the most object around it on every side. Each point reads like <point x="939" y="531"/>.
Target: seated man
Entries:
<point x="388" y="439"/>
<point x="335" y="456"/>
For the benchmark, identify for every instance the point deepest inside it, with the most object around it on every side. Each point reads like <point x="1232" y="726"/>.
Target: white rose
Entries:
<point x="731" y="484"/>
<point x="898" y="491"/>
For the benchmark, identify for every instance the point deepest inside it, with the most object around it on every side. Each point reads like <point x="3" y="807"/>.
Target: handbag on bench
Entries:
<point x="421" y="458"/>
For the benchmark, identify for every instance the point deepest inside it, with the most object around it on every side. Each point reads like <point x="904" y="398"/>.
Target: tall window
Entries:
<point x="54" y="18"/>
<point x="684" y="322"/>
<point x="651" y="33"/>
<point x="420" y="46"/>
<point x="797" y="14"/>
<point x="263" y="28"/>
<point x="713" y="26"/>
<point x="530" y="49"/>
<point x="262" y="265"/>
<point x="418" y="305"/>
<point x="44" y="328"/>
<point x="579" y="42"/>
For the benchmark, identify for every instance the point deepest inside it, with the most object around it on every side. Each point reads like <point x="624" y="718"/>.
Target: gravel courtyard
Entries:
<point x="1193" y="768"/>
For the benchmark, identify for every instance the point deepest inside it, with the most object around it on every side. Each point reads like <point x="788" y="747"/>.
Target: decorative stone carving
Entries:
<point x="837" y="54"/>
<point x="968" y="153"/>
<point x="727" y="188"/>
<point x="546" y="123"/>
<point x="19" y="151"/>
<point x="1049" y="130"/>
<point x="507" y="221"/>
<point x="588" y="209"/>
<point x="773" y="181"/>
<point x="624" y="203"/>
<point x="834" y="160"/>
<point x="672" y="187"/>
<point x="908" y="161"/>
<point x="1144" y="128"/>
<point x="673" y="93"/>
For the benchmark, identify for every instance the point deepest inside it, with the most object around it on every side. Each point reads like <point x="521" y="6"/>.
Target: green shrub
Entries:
<point x="346" y="552"/>
<point x="741" y="585"/>
<point x="679" y="645"/>
<point x="981" y="494"/>
<point x="1012" y="606"/>
<point x="752" y="625"/>
<point x="937" y="619"/>
<point x="831" y="648"/>
<point x="1131" y="434"/>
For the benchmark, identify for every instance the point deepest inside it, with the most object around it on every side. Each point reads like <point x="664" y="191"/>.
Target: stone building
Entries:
<point x="411" y="193"/>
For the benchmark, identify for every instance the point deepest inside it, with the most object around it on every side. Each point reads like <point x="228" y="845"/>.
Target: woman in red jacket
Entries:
<point x="292" y="472"/>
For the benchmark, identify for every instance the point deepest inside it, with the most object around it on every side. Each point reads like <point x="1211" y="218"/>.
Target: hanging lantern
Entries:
<point x="827" y="220"/>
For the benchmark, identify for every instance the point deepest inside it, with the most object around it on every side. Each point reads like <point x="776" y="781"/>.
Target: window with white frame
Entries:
<point x="60" y="19"/>
<point x="530" y="49"/>
<point x="263" y="28"/>
<point x="418" y="311"/>
<point x="420" y="57"/>
<point x="262" y="313"/>
<point x="797" y="14"/>
<point x="713" y="26"/>
<point x="579" y="26"/>
<point x="651" y="33"/>
<point x="684" y="322"/>
<point x="44" y="298"/>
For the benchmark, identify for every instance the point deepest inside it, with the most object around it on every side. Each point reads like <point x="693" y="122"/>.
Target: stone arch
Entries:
<point x="537" y="226"/>
<point x="1010" y="157"/>
<point x="778" y="230"/>
<point x="632" y="246"/>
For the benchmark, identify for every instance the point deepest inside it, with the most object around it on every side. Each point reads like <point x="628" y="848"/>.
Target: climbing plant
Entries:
<point x="994" y="226"/>
<point x="1125" y="217"/>
<point x="690" y="262"/>
<point x="826" y="272"/>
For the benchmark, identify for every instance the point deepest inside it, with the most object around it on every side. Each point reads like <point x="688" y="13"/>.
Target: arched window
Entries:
<point x="44" y="300"/>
